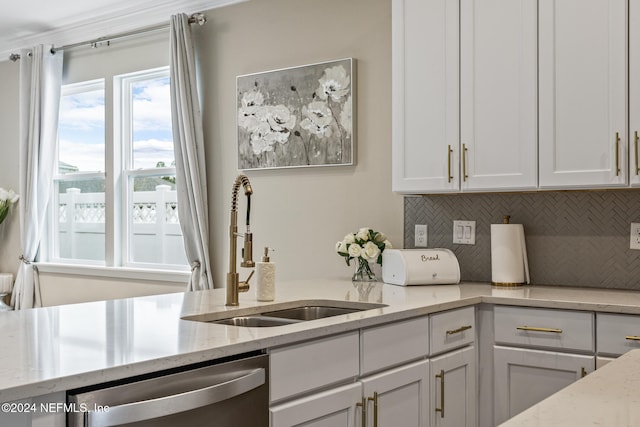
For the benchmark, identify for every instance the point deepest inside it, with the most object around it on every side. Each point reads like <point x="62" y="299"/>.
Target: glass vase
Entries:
<point x="363" y="272"/>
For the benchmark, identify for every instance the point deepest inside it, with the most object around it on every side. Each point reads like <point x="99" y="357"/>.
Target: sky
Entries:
<point x="81" y="132"/>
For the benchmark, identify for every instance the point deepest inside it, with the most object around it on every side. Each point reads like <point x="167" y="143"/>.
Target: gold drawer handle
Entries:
<point x="617" y="153"/>
<point x="449" y="151"/>
<point x="464" y="162"/>
<point x="632" y="338"/>
<point x="534" y="329"/>
<point x="636" y="138"/>
<point x="375" y="408"/>
<point x="440" y="376"/>
<point x="460" y="329"/>
<point x="363" y="405"/>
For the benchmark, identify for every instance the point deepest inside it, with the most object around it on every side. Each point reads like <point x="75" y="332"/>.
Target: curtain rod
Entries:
<point x="196" y="18"/>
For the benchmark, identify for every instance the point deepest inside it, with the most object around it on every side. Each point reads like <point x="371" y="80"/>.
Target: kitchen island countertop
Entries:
<point x="53" y="349"/>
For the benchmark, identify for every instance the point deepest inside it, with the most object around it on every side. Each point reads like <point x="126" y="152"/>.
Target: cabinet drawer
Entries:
<point x="543" y="328"/>
<point x="307" y="366"/>
<point x="617" y="333"/>
<point x="393" y="344"/>
<point x="452" y="329"/>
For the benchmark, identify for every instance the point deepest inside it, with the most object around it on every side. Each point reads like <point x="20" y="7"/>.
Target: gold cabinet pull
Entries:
<point x="617" y="153"/>
<point x="460" y="329"/>
<point x="449" y="151"/>
<point x="375" y="408"/>
<point x="583" y="372"/>
<point x="632" y="338"/>
<point x="635" y="139"/>
<point x="441" y="408"/>
<point x="535" y="329"/>
<point x="363" y="405"/>
<point x="464" y="162"/>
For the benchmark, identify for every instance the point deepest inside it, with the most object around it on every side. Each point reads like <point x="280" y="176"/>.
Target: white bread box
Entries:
<point x="406" y="267"/>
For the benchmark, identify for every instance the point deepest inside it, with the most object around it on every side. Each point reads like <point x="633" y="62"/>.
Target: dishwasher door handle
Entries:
<point x="181" y="402"/>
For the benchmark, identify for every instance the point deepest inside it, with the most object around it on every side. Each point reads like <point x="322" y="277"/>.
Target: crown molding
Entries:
<point x="120" y="18"/>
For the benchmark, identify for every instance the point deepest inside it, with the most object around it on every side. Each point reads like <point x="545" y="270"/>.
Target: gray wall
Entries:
<point x="574" y="238"/>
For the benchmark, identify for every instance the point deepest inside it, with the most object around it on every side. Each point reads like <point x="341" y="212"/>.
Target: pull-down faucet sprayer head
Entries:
<point x="234" y="285"/>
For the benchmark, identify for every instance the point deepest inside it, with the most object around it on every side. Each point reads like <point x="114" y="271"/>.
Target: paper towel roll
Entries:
<point x="509" y="265"/>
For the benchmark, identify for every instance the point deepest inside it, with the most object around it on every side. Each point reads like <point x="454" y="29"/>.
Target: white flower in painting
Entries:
<point x="370" y="251"/>
<point x="334" y="83"/>
<point x="281" y="122"/>
<point x="346" y="115"/>
<point x="318" y="118"/>
<point x="251" y="112"/>
<point x="280" y="118"/>
<point x="262" y="139"/>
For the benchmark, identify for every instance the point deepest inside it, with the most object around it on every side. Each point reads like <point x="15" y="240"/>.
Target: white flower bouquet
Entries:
<point x="365" y="246"/>
<point x="7" y="198"/>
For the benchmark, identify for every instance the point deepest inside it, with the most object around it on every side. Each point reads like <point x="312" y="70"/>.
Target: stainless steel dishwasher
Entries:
<point x="230" y="394"/>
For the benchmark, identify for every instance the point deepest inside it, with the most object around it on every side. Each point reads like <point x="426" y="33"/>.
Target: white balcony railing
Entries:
<point x="155" y="234"/>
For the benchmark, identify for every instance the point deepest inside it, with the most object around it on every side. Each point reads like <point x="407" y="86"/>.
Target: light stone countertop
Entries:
<point x="59" y="348"/>
<point x="607" y="397"/>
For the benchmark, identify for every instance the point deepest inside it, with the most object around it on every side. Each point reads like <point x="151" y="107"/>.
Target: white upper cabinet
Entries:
<point x="498" y="94"/>
<point x="425" y="87"/>
<point x="583" y="132"/>
<point x="464" y="95"/>
<point x="634" y="91"/>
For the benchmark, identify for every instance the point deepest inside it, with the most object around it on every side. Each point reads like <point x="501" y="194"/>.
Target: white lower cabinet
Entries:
<point x="524" y="377"/>
<point x="398" y="397"/>
<point x="397" y="384"/>
<point x="332" y="408"/>
<point x="453" y="389"/>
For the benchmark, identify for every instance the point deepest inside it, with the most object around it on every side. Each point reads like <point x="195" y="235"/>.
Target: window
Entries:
<point x="115" y="195"/>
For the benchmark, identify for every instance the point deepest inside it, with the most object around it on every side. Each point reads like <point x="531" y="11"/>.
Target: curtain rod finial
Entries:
<point x="198" y="18"/>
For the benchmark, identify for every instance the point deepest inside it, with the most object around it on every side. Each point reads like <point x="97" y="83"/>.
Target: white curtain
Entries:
<point x="40" y="83"/>
<point x="188" y="141"/>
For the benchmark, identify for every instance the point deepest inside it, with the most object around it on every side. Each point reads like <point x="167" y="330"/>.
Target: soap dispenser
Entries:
<point x="265" y="278"/>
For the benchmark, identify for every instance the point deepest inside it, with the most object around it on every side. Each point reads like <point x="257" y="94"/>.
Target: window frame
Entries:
<point x="118" y="175"/>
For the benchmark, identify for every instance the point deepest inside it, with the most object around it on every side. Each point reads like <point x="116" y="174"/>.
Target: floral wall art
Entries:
<point x="301" y="116"/>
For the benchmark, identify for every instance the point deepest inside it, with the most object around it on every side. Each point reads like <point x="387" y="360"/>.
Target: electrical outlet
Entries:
<point x="635" y="236"/>
<point x="420" y="236"/>
<point x="464" y="232"/>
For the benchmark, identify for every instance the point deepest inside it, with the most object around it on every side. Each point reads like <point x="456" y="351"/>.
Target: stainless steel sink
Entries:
<point x="310" y="312"/>
<point x="285" y="313"/>
<point x="254" y="321"/>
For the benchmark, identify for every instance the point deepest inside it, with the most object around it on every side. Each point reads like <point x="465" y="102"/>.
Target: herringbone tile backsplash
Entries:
<point x="574" y="238"/>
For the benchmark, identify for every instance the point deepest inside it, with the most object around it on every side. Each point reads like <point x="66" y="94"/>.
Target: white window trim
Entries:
<point x="155" y="275"/>
<point x="118" y="161"/>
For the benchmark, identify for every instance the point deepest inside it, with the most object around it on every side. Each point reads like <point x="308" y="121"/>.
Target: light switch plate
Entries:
<point x="634" y="236"/>
<point x="464" y="232"/>
<point x="421" y="236"/>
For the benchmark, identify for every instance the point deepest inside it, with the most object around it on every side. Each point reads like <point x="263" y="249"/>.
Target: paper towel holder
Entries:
<point x="523" y="259"/>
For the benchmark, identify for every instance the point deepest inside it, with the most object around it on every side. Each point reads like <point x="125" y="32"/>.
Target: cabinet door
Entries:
<point x="498" y="94"/>
<point x="582" y="54"/>
<point x="332" y="408"/>
<point x="425" y="87"/>
<point x="455" y="374"/>
<point x="523" y="378"/>
<point x="634" y="91"/>
<point x="398" y="397"/>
